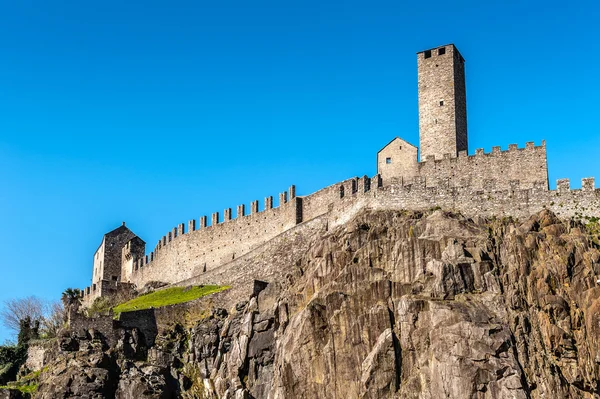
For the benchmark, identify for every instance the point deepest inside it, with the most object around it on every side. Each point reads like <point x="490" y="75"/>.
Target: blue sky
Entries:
<point x="157" y="112"/>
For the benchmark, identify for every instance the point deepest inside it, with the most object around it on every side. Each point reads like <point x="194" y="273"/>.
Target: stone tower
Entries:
<point x="442" y="102"/>
<point x="109" y="263"/>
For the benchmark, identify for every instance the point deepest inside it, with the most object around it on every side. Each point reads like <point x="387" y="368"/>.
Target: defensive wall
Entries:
<point x="581" y="204"/>
<point x="144" y="320"/>
<point x="198" y="247"/>
<point x="104" y="288"/>
<point x="497" y="170"/>
<point x="183" y="254"/>
<point x="264" y="262"/>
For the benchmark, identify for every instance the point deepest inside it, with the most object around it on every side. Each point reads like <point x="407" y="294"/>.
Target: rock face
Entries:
<point x="10" y="394"/>
<point x="390" y="305"/>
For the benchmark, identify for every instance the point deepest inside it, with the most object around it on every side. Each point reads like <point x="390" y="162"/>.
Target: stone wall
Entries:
<point x="80" y="325"/>
<point x="319" y="202"/>
<point x="39" y="354"/>
<point x="183" y="254"/>
<point x="499" y="170"/>
<point x="263" y="263"/>
<point x="581" y="203"/>
<point x="143" y="320"/>
<point x="338" y="203"/>
<point x="460" y="101"/>
<point x="501" y="183"/>
<point x="442" y="102"/>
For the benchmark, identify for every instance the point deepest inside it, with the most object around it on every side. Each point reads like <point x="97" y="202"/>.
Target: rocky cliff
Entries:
<point x="389" y="305"/>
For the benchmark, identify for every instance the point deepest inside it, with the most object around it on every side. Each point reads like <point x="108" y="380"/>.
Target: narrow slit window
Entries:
<point x="388" y="160"/>
<point x="441" y="103"/>
<point x="427" y="54"/>
<point x="442" y="51"/>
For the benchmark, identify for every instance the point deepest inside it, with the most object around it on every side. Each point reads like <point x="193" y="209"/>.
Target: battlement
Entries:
<point x="182" y="254"/>
<point x="497" y="169"/>
<point x="209" y="245"/>
<point x="202" y="224"/>
<point x="515" y="201"/>
<point x="497" y="151"/>
<point x="588" y="184"/>
<point x="185" y="253"/>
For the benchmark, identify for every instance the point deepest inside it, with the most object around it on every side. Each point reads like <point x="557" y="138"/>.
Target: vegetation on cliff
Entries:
<point x="27" y="384"/>
<point x="167" y="296"/>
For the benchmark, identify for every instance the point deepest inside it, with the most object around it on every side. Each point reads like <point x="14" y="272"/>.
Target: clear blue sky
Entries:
<point x="159" y="112"/>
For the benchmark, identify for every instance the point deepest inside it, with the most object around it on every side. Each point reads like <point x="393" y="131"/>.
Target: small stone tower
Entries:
<point x="117" y="252"/>
<point x="442" y="102"/>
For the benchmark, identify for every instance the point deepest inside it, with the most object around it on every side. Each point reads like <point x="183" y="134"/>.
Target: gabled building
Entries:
<point x="113" y="261"/>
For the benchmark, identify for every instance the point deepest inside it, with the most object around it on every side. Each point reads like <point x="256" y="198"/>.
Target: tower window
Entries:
<point x="441" y="103"/>
<point x="388" y="160"/>
<point x="427" y="54"/>
<point x="442" y="51"/>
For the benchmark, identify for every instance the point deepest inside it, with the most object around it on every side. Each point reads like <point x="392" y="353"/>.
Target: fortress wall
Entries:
<point x="517" y="168"/>
<point x="104" y="324"/>
<point x="317" y="203"/>
<point x="181" y="255"/>
<point x="320" y="202"/>
<point x="263" y="263"/>
<point x="98" y="289"/>
<point x="520" y="203"/>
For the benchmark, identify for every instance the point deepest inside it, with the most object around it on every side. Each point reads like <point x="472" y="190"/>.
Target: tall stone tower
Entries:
<point x="442" y="102"/>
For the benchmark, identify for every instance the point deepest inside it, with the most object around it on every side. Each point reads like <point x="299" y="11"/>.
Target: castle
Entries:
<point x="513" y="183"/>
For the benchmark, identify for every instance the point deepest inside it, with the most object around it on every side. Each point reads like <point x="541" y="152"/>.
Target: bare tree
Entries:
<point x="16" y="310"/>
<point x="54" y="319"/>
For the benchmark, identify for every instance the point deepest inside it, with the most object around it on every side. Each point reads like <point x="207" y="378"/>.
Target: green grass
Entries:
<point x="169" y="296"/>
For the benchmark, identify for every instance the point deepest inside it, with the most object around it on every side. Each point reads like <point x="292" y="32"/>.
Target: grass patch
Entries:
<point x="168" y="296"/>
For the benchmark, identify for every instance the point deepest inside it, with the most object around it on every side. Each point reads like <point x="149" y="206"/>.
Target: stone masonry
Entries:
<point x="513" y="183"/>
<point x="442" y="102"/>
<point x="108" y="262"/>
